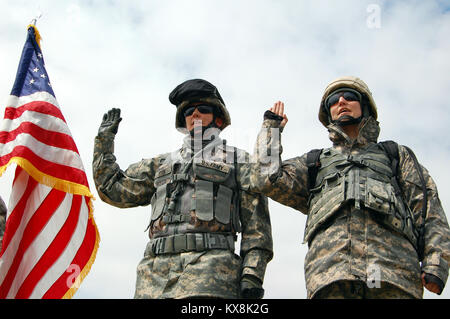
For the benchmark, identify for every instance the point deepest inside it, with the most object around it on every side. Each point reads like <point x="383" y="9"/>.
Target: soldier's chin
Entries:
<point x="346" y="118"/>
<point x="197" y="130"/>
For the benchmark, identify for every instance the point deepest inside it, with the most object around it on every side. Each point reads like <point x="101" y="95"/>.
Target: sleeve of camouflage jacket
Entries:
<point x="283" y="181"/>
<point x="256" y="242"/>
<point x="437" y="233"/>
<point x="129" y="188"/>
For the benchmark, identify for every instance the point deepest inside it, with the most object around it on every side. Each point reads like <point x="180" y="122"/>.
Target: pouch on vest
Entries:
<point x="204" y="200"/>
<point x="324" y="207"/>
<point x="330" y="183"/>
<point x="162" y="178"/>
<point x="207" y="206"/>
<point x="223" y="204"/>
<point x="158" y="201"/>
<point x="379" y="196"/>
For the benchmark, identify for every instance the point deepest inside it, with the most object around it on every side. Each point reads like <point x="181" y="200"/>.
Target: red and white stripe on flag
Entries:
<point x="51" y="238"/>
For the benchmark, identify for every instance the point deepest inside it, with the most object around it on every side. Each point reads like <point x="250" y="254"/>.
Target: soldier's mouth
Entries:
<point x="344" y="111"/>
<point x="196" y="123"/>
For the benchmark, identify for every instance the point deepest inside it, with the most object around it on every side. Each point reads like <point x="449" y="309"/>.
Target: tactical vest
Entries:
<point x="187" y="192"/>
<point x="361" y="180"/>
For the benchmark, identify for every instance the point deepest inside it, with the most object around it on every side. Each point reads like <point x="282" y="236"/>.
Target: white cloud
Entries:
<point x="131" y="54"/>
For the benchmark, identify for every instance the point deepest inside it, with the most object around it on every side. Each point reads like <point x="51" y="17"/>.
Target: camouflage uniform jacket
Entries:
<point x="212" y="273"/>
<point x="353" y="246"/>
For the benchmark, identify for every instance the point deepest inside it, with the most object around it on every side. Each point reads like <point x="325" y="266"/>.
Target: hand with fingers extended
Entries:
<point x="276" y="112"/>
<point x="110" y="122"/>
<point x="278" y="109"/>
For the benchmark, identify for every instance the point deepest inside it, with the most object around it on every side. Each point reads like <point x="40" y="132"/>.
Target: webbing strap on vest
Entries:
<point x="189" y="242"/>
<point x="391" y="149"/>
<point x="173" y="219"/>
<point x="313" y="163"/>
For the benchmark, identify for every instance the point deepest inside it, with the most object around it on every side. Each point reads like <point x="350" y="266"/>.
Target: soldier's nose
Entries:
<point x="342" y="100"/>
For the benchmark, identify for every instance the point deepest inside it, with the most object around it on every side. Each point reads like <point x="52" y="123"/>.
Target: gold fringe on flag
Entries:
<point x="37" y="34"/>
<point x="72" y="290"/>
<point x="47" y="180"/>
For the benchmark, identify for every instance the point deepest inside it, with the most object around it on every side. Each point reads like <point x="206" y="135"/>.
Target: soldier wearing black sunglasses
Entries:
<point x="204" y="116"/>
<point x="344" y="107"/>
<point x="375" y="225"/>
<point x="199" y="203"/>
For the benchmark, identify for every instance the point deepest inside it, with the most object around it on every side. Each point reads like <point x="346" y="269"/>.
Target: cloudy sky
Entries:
<point x="131" y="54"/>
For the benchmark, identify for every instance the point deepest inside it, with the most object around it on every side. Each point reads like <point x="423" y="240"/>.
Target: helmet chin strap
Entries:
<point x="350" y="120"/>
<point x="347" y="120"/>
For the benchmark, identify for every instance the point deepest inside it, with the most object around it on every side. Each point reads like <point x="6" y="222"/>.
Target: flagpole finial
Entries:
<point x="33" y="25"/>
<point x="37" y="17"/>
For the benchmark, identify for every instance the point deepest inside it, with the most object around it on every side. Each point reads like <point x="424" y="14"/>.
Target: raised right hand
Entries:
<point x="278" y="109"/>
<point x="110" y="122"/>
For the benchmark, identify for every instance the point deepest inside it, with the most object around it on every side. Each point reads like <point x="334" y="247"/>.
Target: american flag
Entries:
<point x="51" y="238"/>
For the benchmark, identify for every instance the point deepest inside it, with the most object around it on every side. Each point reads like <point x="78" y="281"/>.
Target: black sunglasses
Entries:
<point x="204" y="109"/>
<point x="349" y="95"/>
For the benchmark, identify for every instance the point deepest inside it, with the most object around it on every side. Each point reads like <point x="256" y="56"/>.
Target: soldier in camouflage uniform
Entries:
<point x="362" y="234"/>
<point x="200" y="201"/>
<point x="3" y="211"/>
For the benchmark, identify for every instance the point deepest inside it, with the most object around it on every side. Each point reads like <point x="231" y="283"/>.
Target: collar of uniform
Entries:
<point x="369" y="130"/>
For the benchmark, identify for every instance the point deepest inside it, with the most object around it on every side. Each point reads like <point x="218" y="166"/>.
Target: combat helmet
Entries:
<point x="368" y="105"/>
<point x="197" y="90"/>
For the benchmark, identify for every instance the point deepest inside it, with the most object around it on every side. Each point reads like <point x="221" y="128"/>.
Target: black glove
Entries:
<point x="110" y="122"/>
<point x="269" y="115"/>
<point x="251" y="287"/>
<point x="429" y="278"/>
